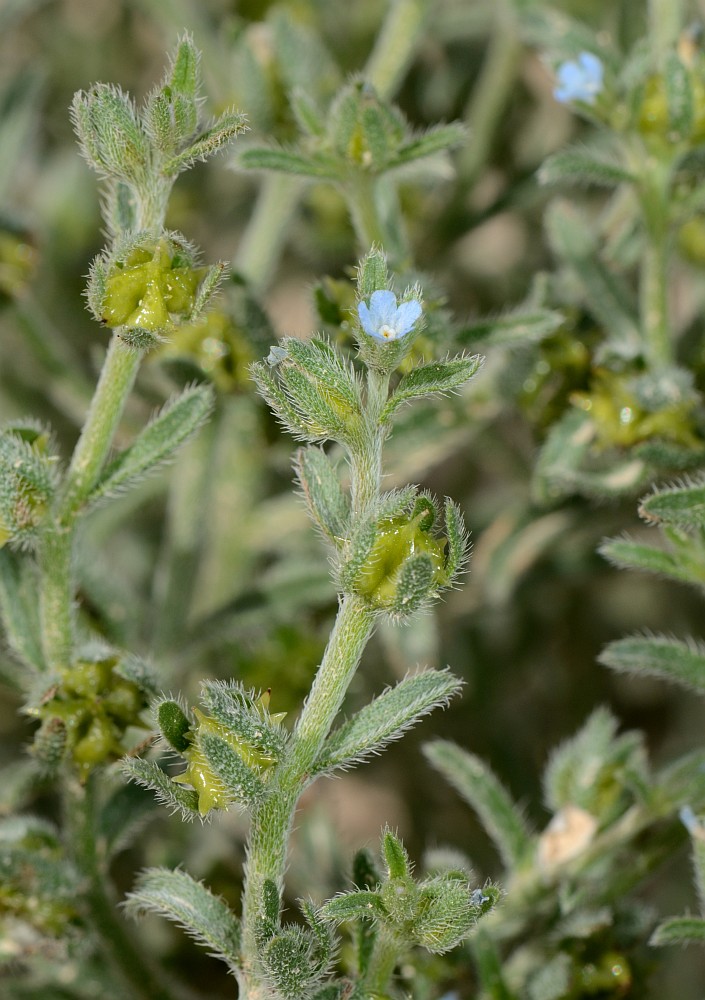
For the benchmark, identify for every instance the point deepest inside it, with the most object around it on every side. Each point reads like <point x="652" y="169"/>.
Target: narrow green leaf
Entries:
<point x="514" y="328"/>
<point x="438" y="139"/>
<point x="123" y="816"/>
<point x="289" y="161"/>
<point x="479" y="787"/>
<point x="583" y="166"/>
<point x="626" y="554"/>
<point x="285" y="411"/>
<point x="679" y="930"/>
<point x="437" y="377"/>
<point x="188" y="903"/>
<point x="173" y="426"/>
<point x="222" y="131"/>
<point x="327" y="504"/>
<point x="571" y="236"/>
<point x="659" y="656"/>
<point x="19" y="611"/>
<point x="387" y="718"/>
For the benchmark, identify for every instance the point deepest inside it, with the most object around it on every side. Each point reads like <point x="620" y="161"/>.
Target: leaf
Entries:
<point x="387" y="718"/>
<point x="203" y="915"/>
<point x="439" y="376"/>
<point x="289" y="161"/>
<point x="352" y="905"/>
<point x="220" y="133"/>
<point x="148" y="774"/>
<point x="679" y="930"/>
<point x="581" y="165"/>
<point x="122" y="818"/>
<point x="513" y="328"/>
<point x="627" y="554"/>
<point x="436" y="140"/>
<point x="479" y="787"/>
<point x="572" y="239"/>
<point x="178" y="420"/>
<point x="659" y="656"/>
<point x="19" y="611"/>
<point x="328" y="506"/>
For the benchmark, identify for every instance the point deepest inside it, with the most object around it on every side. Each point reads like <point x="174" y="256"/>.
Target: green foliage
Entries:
<point x="482" y="790"/>
<point x="177" y="896"/>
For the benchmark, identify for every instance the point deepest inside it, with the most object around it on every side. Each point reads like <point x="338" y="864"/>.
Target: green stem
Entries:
<point x="665" y="24"/>
<point x="366" y="456"/>
<point x="653" y="282"/>
<point x="56" y="596"/>
<point x="141" y="980"/>
<point x="385" y="956"/>
<point x="490" y="94"/>
<point x="271" y="822"/>
<point x="396" y="44"/>
<point x="361" y="195"/>
<point x="114" y="385"/>
<point x="56" y="550"/>
<point x="264" y="236"/>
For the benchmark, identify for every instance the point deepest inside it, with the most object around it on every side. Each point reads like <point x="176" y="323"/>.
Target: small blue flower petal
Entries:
<point x="407" y="314"/>
<point x="383" y="320"/>
<point x="579" y="80"/>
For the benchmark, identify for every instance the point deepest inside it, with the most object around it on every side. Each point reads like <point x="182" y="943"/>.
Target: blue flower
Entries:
<point x="580" y="80"/>
<point x="384" y="320"/>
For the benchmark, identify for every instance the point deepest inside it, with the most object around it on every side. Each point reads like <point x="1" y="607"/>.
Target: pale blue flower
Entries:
<point x="384" y="320"/>
<point x="580" y="80"/>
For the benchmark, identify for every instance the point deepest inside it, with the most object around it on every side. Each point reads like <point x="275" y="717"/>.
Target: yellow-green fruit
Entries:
<point x="397" y="539"/>
<point x="149" y="287"/>
<point x="212" y="794"/>
<point x="97" y="746"/>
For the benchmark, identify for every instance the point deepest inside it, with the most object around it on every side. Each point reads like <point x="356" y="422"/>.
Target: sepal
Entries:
<point x="437" y="912"/>
<point x="174" y="796"/>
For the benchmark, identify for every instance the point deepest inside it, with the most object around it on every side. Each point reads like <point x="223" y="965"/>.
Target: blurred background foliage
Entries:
<point x="211" y="568"/>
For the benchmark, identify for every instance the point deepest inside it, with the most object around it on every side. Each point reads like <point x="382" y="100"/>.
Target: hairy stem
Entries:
<point x="264" y="236"/>
<point x="271" y="822"/>
<point x="395" y="45"/>
<point x="653" y="283"/>
<point x="491" y="92"/>
<point x="382" y="963"/>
